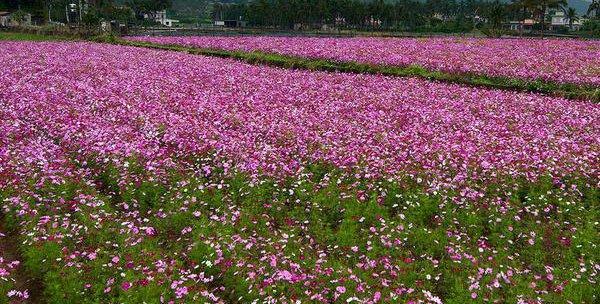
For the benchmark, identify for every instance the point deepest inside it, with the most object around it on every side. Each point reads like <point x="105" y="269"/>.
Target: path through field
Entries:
<point x="23" y="280"/>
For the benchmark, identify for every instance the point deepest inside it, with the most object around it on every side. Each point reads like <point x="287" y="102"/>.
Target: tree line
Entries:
<point x="87" y="11"/>
<point x="409" y="15"/>
<point x="402" y="15"/>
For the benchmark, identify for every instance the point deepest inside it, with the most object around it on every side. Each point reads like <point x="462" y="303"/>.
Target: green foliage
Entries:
<point x="452" y="26"/>
<point x="18" y="16"/>
<point x="91" y="18"/>
<point x="27" y="37"/>
<point x="39" y="260"/>
<point x="424" y="16"/>
<point x="5" y="287"/>
<point x="340" y="213"/>
<point x="64" y="287"/>
<point x="141" y="7"/>
<point x="592" y="27"/>
<point x="119" y="13"/>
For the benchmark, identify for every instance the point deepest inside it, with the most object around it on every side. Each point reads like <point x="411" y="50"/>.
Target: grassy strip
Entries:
<point x="30" y="37"/>
<point x="570" y="91"/>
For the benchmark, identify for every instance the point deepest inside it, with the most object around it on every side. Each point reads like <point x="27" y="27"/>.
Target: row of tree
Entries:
<point x="538" y="10"/>
<point x="408" y="15"/>
<point x="87" y="11"/>
<point x="411" y="15"/>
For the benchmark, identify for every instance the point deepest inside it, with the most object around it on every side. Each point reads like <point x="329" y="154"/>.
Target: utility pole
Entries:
<point x="49" y="11"/>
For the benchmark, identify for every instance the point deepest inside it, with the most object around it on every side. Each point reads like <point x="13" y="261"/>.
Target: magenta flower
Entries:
<point x="181" y="292"/>
<point x="547" y="59"/>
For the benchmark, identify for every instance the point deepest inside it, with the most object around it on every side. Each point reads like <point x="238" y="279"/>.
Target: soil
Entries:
<point x="9" y="250"/>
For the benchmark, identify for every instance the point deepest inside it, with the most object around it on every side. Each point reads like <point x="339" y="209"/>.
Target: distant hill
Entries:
<point x="581" y="6"/>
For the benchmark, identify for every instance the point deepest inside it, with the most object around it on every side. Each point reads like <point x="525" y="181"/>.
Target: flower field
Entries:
<point x="534" y="59"/>
<point x="136" y="175"/>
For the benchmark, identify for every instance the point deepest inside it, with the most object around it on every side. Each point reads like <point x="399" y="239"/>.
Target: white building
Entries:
<point x="4" y="18"/>
<point x="15" y="19"/>
<point x="161" y="17"/>
<point x="560" y="20"/>
<point x="524" y="25"/>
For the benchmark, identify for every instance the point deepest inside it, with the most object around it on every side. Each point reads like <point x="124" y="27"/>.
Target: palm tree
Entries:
<point x="519" y="7"/>
<point x="594" y="7"/>
<point x="544" y="5"/>
<point x="496" y="14"/>
<point x="570" y="16"/>
<point x="523" y="7"/>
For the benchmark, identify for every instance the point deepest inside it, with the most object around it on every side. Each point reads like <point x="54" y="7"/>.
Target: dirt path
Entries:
<point x="9" y="250"/>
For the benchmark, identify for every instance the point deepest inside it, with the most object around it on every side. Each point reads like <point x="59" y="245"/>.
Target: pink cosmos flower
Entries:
<point x="548" y="59"/>
<point x="150" y="231"/>
<point x="376" y="296"/>
<point x="180" y="292"/>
